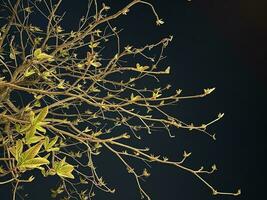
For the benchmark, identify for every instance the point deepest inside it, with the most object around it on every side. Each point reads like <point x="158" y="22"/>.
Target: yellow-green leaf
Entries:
<point x="44" y="56"/>
<point x="17" y="149"/>
<point x="61" y="85"/>
<point x="39" y="55"/>
<point x="37" y="52"/>
<point x="93" y="44"/>
<point x="31" y="152"/>
<point x="33" y="163"/>
<point x="135" y="98"/>
<point x="141" y="68"/>
<point x="2" y="170"/>
<point x="29" y="72"/>
<point x="30" y="133"/>
<point x="167" y="70"/>
<point x="12" y="56"/>
<point x="40" y="128"/>
<point x="80" y="65"/>
<point x="155" y="95"/>
<point x="25" y="128"/>
<point x="63" y="169"/>
<point x="33" y="139"/>
<point x="31" y="116"/>
<point x="37" y="104"/>
<point x="49" y="145"/>
<point x="96" y="64"/>
<point x="41" y="116"/>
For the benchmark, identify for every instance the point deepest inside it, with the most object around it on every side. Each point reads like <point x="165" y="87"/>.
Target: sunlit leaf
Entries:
<point x="40" y="128"/>
<point x="29" y="72"/>
<point x="17" y="149"/>
<point x="37" y="52"/>
<point x="167" y="70"/>
<point x="95" y="64"/>
<point x="33" y="163"/>
<point x="141" y="68"/>
<point x="155" y="95"/>
<point x="135" y="98"/>
<point x="12" y="56"/>
<point x="30" y="133"/>
<point x="94" y="44"/>
<point x="63" y="169"/>
<point x="31" y="152"/>
<point x="33" y="139"/>
<point x="41" y="116"/>
<point x="48" y="145"/>
<point x="39" y="55"/>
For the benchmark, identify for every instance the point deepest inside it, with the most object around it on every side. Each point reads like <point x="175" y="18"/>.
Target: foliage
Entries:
<point x="62" y="101"/>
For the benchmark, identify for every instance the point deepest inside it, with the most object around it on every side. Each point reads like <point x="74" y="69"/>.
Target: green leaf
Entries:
<point x="53" y="142"/>
<point x="41" y="116"/>
<point x="2" y="170"/>
<point x="135" y="98"/>
<point x="46" y="142"/>
<point x="37" y="52"/>
<point x="49" y="145"/>
<point x="63" y="169"/>
<point x="31" y="116"/>
<point x="17" y="149"/>
<point x="39" y="55"/>
<point x="12" y="56"/>
<point x="33" y="139"/>
<point x="30" y="133"/>
<point x="44" y="56"/>
<point x="29" y="72"/>
<point x="40" y="128"/>
<point x="33" y="163"/>
<point x="37" y="104"/>
<point x="141" y="68"/>
<point x="53" y="149"/>
<point x="25" y="128"/>
<point x="31" y="152"/>
<point x="18" y="127"/>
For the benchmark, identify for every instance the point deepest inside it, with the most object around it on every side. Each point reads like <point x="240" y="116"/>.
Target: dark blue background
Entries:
<point x="216" y="43"/>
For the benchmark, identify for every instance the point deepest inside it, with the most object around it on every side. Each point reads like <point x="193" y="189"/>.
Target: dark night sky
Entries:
<point x="216" y="43"/>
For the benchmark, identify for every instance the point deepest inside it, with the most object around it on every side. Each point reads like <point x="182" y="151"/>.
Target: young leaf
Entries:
<point x="29" y="72"/>
<point x="61" y="85"/>
<point x="53" y="141"/>
<point x="141" y="68"/>
<point x="40" y="128"/>
<point x="30" y="133"/>
<point x="33" y="163"/>
<point x="39" y="55"/>
<point x="33" y="139"/>
<point x="2" y="170"/>
<point x="63" y="169"/>
<point x="135" y="98"/>
<point x="41" y="116"/>
<point x="96" y="64"/>
<point x="155" y="95"/>
<point x="167" y="70"/>
<point x="37" y="52"/>
<point x="49" y="145"/>
<point x="31" y="152"/>
<point x="17" y="149"/>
